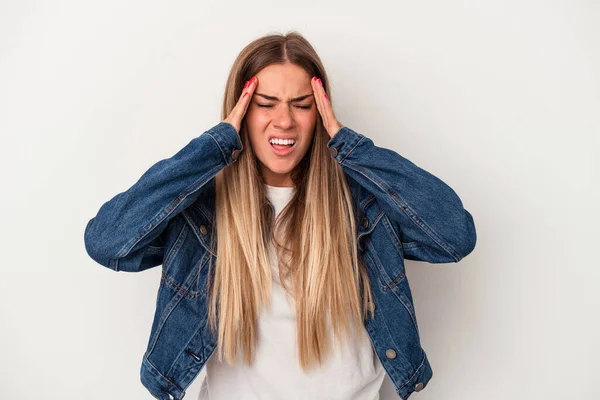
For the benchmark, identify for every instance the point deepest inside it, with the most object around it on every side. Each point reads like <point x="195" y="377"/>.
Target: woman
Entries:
<point x="282" y="236"/>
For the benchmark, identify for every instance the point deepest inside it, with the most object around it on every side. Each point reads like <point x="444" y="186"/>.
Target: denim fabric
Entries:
<point x="166" y="218"/>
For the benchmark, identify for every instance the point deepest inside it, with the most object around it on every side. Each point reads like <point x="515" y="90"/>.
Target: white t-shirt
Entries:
<point x="351" y="372"/>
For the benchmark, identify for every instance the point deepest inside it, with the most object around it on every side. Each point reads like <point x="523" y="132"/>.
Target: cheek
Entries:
<point x="254" y="117"/>
<point x="307" y="130"/>
<point x="307" y="122"/>
<point x="256" y="123"/>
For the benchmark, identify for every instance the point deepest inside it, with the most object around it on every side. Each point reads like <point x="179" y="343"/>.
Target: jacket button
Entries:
<point x="365" y="223"/>
<point x="235" y="154"/>
<point x="203" y="229"/>
<point x="333" y="151"/>
<point x="418" y="387"/>
<point x="390" y="353"/>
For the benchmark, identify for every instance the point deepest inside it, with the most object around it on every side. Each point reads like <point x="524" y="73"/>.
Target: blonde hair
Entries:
<point x="318" y="249"/>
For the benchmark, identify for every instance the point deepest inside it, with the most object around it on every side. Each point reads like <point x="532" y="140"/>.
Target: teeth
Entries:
<point x="282" y="142"/>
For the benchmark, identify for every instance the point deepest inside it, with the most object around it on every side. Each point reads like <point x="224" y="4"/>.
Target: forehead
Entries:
<point x="283" y="80"/>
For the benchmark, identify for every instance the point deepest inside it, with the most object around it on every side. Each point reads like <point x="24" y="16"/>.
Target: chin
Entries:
<point x="281" y="170"/>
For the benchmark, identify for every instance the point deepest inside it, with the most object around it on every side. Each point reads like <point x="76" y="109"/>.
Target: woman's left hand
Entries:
<point x="332" y="126"/>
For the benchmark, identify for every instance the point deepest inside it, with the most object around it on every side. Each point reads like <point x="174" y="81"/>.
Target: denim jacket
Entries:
<point x="166" y="218"/>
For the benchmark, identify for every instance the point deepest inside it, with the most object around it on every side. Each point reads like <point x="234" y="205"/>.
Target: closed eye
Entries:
<point x="271" y="105"/>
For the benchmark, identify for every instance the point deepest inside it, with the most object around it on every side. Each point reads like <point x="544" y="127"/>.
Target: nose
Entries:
<point x="283" y="119"/>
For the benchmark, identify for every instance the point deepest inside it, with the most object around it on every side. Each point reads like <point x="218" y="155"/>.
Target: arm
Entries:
<point x="433" y="223"/>
<point x="125" y="235"/>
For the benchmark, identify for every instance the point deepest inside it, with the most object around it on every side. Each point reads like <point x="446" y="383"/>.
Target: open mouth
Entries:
<point x="283" y="149"/>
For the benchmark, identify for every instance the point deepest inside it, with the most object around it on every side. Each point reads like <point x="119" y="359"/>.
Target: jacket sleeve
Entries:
<point x="433" y="224"/>
<point x="126" y="233"/>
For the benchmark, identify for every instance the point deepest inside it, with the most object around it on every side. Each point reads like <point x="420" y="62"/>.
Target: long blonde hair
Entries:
<point x="317" y="229"/>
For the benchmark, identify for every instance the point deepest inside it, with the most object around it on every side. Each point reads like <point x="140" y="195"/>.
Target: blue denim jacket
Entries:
<point x="165" y="218"/>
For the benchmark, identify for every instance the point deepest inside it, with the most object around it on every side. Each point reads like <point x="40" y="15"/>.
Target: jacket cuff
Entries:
<point x="343" y="142"/>
<point x="228" y="140"/>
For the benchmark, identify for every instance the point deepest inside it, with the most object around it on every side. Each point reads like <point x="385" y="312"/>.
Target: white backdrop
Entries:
<point x="500" y="99"/>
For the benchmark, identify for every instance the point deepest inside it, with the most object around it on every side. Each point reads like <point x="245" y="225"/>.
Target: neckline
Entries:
<point x="280" y="187"/>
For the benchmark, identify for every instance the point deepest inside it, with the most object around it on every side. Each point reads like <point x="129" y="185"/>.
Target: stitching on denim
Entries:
<point x="389" y="286"/>
<point x="359" y="139"/>
<point x="201" y="208"/>
<point x="200" y="204"/>
<point x="154" y="222"/>
<point x="371" y="227"/>
<point x="163" y="318"/>
<point x="230" y="126"/>
<point x="188" y="294"/>
<point x="155" y="249"/>
<point x="367" y="201"/>
<point x="394" y="282"/>
<point x="397" y="242"/>
<point x="114" y="264"/>
<point x="218" y="145"/>
<point x="415" y="373"/>
<point x="424" y="227"/>
<point x="195" y="230"/>
<point x="202" y="180"/>
<point x="410" y="245"/>
<point x="176" y="366"/>
<point x="159" y="375"/>
<point x="165" y="213"/>
<point x="382" y="273"/>
<point x="403" y="206"/>
<point x="403" y="247"/>
<point x="407" y="304"/>
<point x="174" y="250"/>
<point x="391" y="229"/>
<point x="361" y="235"/>
<point x="374" y="223"/>
<point x="375" y="343"/>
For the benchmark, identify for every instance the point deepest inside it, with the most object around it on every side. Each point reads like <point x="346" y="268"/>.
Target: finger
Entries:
<point x="324" y="107"/>
<point x="318" y="94"/>
<point x="245" y="96"/>
<point x="248" y="92"/>
<point x="326" y="104"/>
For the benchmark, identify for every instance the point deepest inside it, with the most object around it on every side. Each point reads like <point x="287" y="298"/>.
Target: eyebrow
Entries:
<point x="277" y="99"/>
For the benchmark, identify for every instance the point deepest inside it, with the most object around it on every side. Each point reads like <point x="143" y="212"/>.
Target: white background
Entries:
<point x="500" y="99"/>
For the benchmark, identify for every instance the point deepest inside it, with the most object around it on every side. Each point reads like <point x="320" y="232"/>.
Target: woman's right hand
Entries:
<point x="238" y="112"/>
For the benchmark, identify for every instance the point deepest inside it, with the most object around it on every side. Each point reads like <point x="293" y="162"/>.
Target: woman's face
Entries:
<point x="283" y="107"/>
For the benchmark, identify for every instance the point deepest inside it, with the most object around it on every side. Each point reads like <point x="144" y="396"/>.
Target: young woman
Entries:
<point x="282" y="236"/>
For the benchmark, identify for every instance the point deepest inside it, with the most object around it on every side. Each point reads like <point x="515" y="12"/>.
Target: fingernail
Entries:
<point x="244" y="95"/>
<point x="314" y="78"/>
<point x="246" y="85"/>
<point x="327" y="97"/>
<point x="253" y="79"/>
<point x="321" y="83"/>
